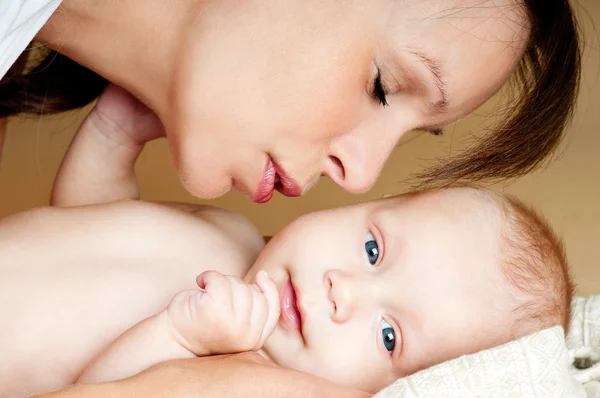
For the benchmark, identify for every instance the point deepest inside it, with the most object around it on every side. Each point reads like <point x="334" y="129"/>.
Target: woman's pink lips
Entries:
<point x="264" y="192"/>
<point x="286" y="185"/>
<point x="289" y="308"/>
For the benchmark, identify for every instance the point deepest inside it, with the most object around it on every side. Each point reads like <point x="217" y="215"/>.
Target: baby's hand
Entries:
<point x="227" y="316"/>
<point x="124" y="119"/>
<point x="99" y="166"/>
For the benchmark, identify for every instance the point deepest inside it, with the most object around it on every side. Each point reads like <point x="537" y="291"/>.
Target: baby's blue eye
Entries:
<point x="388" y="336"/>
<point x="371" y="248"/>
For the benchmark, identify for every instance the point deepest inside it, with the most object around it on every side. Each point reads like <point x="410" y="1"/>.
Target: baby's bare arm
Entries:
<point x="99" y="164"/>
<point x="232" y="376"/>
<point x="148" y="343"/>
<point x="225" y="315"/>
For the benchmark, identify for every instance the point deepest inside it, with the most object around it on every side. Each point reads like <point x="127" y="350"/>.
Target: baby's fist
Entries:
<point x="227" y="315"/>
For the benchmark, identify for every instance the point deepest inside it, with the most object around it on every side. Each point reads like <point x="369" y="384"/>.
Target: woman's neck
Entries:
<point x="133" y="43"/>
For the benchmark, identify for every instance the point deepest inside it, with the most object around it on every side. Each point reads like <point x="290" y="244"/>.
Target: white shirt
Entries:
<point x="20" y="21"/>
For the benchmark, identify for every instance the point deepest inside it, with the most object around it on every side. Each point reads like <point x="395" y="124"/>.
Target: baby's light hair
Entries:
<point x="535" y="265"/>
<point x="533" y="260"/>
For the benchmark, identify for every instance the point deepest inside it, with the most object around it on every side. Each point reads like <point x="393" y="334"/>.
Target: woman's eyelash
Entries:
<point x="378" y="91"/>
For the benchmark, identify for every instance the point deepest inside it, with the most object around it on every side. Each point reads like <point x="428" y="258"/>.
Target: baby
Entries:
<point x="359" y="295"/>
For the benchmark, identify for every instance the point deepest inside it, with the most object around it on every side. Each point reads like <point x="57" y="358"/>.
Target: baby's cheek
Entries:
<point x="352" y="367"/>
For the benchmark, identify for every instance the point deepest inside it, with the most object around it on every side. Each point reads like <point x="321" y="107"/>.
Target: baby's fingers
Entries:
<point x="269" y="290"/>
<point x="215" y="284"/>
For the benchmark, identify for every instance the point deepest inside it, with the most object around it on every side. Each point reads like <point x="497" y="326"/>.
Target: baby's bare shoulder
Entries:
<point x="198" y="229"/>
<point x="218" y="238"/>
<point x="234" y="225"/>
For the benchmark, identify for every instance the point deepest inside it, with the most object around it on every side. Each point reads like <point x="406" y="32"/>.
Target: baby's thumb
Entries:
<point x="269" y="289"/>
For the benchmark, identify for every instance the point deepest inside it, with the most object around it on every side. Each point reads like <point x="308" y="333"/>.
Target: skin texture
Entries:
<point x="446" y="242"/>
<point x="241" y="81"/>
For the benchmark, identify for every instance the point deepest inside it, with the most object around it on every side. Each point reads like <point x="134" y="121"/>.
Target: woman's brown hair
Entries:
<point x="43" y="81"/>
<point x="547" y="80"/>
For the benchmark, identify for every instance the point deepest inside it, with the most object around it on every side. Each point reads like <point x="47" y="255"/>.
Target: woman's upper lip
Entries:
<point x="286" y="185"/>
<point x="274" y="177"/>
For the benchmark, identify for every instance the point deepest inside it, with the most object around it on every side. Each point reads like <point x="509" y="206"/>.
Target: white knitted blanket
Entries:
<point x="542" y="365"/>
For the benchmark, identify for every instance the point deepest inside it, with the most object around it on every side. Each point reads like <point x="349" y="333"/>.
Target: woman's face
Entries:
<point x="290" y="90"/>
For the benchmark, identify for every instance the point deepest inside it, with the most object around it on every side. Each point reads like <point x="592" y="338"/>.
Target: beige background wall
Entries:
<point x="568" y="192"/>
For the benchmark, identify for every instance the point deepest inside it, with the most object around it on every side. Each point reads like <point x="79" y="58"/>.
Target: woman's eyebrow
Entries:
<point x="433" y="65"/>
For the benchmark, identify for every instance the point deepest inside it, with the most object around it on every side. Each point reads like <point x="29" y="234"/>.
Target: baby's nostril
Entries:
<point x="338" y="163"/>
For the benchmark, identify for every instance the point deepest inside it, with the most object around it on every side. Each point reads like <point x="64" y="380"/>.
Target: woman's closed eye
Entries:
<point x="371" y="248"/>
<point x="379" y="93"/>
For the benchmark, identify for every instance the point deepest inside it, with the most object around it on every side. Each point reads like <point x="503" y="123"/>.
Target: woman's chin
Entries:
<point x="205" y="188"/>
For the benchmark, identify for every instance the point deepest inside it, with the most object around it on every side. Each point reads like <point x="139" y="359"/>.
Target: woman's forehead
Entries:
<point x="474" y="45"/>
<point x="475" y="23"/>
<point x="439" y="9"/>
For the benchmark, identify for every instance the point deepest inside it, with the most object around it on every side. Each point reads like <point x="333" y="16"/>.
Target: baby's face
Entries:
<point x="380" y="290"/>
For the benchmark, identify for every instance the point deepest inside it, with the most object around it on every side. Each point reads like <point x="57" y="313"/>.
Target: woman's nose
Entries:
<point x="354" y="162"/>
<point x="341" y="291"/>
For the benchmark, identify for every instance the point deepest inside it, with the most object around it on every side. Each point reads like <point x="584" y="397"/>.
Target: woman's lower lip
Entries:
<point x="287" y="191"/>
<point x="289" y="309"/>
<point x="264" y="191"/>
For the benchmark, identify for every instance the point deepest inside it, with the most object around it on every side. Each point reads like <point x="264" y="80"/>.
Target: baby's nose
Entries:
<point x="341" y="293"/>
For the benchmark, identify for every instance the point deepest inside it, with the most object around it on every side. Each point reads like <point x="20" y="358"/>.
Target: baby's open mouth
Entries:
<point x="289" y="308"/>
